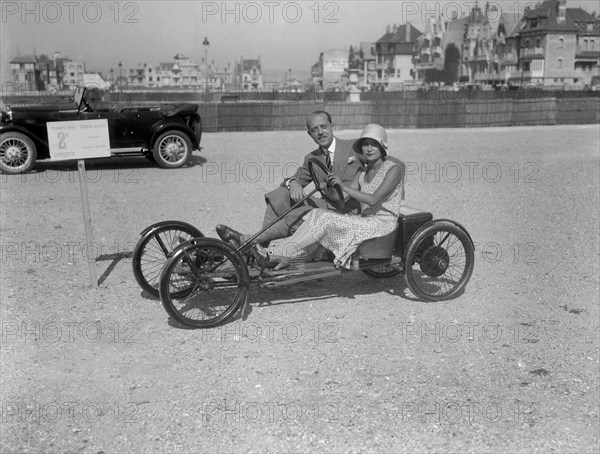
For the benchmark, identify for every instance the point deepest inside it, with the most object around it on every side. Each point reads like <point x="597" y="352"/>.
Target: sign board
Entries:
<point x="82" y="139"/>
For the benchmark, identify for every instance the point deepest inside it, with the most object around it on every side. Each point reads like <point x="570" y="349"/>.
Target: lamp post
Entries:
<point x="120" y="81"/>
<point x="206" y="45"/>
<point x="112" y="79"/>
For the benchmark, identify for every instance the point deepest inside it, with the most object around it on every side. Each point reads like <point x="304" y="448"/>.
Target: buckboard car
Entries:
<point x="203" y="282"/>
<point x="166" y="134"/>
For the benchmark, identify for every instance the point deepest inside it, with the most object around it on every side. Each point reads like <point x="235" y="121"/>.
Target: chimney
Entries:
<point x="562" y="11"/>
<point x="407" y="32"/>
<point x="387" y="29"/>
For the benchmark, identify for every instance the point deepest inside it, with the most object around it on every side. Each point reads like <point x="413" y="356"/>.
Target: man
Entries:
<point x="335" y="153"/>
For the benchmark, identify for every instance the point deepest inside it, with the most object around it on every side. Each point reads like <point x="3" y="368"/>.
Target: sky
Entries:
<point x="285" y="34"/>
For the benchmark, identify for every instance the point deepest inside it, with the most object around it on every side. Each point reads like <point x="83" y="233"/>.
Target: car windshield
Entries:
<point x="78" y="96"/>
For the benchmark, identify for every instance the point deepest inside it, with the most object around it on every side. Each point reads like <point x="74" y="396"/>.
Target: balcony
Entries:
<point x="534" y="52"/>
<point x="425" y="51"/>
<point x="437" y="51"/>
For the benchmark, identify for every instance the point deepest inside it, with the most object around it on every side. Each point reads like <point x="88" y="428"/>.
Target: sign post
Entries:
<point x="80" y="140"/>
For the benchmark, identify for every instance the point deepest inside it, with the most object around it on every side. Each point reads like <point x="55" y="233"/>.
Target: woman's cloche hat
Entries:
<point x="372" y="131"/>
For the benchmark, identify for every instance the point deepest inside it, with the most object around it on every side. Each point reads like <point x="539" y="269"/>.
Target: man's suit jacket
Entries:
<point x="346" y="163"/>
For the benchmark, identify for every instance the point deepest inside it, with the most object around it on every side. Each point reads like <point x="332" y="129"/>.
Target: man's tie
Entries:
<point x="328" y="160"/>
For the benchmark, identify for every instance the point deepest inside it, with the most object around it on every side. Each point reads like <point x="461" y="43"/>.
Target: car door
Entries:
<point x="137" y="124"/>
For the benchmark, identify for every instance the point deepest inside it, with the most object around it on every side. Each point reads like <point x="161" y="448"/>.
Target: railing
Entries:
<point x="532" y="52"/>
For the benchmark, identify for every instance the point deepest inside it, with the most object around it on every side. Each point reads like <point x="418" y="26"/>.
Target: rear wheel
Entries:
<point x="439" y="262"/>
<point x="152" y="251"/>
<point x="204" y="284"/>
<point x="172" y="149"/>
<point x="17" y="152"/>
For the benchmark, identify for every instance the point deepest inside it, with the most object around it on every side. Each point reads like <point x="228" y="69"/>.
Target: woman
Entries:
<point x="379" y="190"/>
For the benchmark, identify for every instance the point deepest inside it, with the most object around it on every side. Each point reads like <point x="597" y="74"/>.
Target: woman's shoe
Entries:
<point x="276" y="262"/>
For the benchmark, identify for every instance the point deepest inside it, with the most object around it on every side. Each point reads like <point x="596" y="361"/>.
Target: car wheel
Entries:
<point x="172" y="149"/>
<point x="17" y="152"/>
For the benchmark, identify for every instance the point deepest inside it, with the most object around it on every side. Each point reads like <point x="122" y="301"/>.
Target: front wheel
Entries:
<point x="439" y="261"/>
<point x="204" y="283"/>
<point x="154" y="248"/>
<point x="17" y="152"/>
<point x="172" y="149"/>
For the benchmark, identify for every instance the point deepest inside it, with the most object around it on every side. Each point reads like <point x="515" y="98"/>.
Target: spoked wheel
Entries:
<point x="203" y="284"/>
<point x="439" y="262"/>
<point x="154" y="248"/>
<point x="17" y="152"/>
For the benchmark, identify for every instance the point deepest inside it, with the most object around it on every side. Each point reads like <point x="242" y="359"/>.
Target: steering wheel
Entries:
<point x="337" y="197"/>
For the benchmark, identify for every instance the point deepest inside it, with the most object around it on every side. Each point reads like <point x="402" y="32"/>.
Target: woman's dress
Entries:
<point x="343" y="233"/>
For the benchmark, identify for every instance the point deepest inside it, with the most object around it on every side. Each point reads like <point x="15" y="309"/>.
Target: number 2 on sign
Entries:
<point x="61" y="140"/>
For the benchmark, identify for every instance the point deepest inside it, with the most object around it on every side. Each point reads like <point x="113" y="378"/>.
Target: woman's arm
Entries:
<point x="392" y="178"/>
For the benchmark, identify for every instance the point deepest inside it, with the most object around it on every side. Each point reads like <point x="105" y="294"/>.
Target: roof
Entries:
<point x="399" y="36"/>
<point x="510" y="23"/>
<point x="547" y="15"/>
<point x="246" y="65"/>
<point x="24" y="59"/>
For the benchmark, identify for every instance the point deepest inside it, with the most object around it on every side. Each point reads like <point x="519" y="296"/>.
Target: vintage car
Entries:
<point x="166" y="134"/>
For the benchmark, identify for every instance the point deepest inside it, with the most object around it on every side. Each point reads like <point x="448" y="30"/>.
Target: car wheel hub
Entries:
<point x="13" y="153"/>
<point x="435" y="261"/>
<point x="171" y="149"/>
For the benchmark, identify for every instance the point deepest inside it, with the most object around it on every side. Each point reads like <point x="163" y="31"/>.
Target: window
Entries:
<point x="538" y="42"/>
<point x="585" y="44"/>
<point x="592" y="44"/>
<point x="561" y="43"/>
<point x="560" y="63"/>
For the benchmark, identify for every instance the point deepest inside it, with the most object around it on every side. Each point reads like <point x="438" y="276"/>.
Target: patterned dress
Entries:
<point x="343" y="233"/>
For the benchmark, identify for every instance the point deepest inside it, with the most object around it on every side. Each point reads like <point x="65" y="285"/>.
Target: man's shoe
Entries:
<point x="227" y="234"/>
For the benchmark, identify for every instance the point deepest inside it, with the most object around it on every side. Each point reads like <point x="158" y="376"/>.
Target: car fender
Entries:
<point x="174" y="126"/>
<point x="435" y="221"/>
<point x="40" y="143"/>
<point x="148" y="230"/>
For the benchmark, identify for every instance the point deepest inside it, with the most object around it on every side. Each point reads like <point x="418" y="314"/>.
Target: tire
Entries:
<point x="17" y="153"/>
<point x="152" y="251"/>
<point x="439" y="261"/>
<point x="383" y="271"/>
<point x="172" y="149"/>
<point x="203" y="284"/>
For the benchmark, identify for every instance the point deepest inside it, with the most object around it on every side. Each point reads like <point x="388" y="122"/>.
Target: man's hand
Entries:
<point x="296" y="191"/>
<point x="333" y="180"/>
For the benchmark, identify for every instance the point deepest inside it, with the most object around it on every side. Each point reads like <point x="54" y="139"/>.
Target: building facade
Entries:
<point x="394" y="56"/>
<point x="248" y="74"/>
<point x="25" y="72"/>
<point x="558" y="45"/>
<point x="330" y="71"/>
<point x="429" y="48"/>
